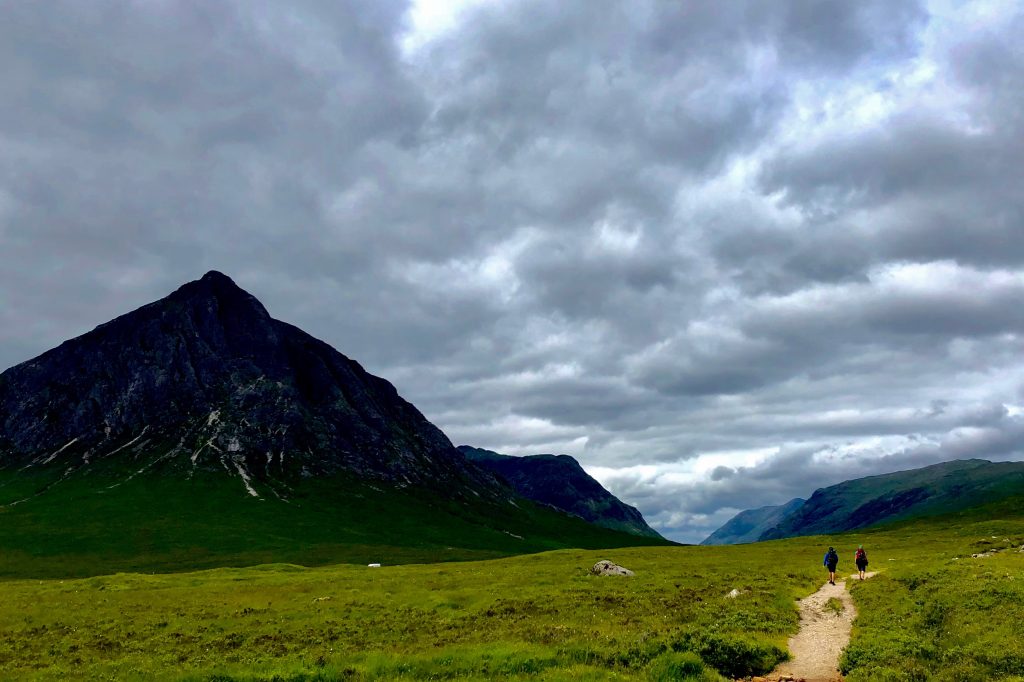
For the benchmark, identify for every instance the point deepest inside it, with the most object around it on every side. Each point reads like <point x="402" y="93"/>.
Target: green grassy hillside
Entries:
<point x="928" y="491"/>
<point x="933" y="613"/>
<point x="102" y="521"/>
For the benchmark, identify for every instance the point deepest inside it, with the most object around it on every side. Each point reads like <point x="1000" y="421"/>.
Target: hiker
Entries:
<point x="860" y="557"/>
<point x="831" y="561"/>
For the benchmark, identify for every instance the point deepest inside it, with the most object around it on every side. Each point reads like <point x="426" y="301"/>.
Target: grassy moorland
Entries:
<point x="937" y="613"/>
<point x="513" y="617"/>
<point x="927" y="616"/>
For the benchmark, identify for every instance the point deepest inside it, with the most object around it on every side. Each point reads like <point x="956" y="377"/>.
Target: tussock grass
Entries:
<point x="539" y="616"/>
<point x="935" y="613"/>
<point x="834" y="605"/>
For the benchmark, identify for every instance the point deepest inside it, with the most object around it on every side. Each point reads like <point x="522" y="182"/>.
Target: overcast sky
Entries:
<point x="723" y="253"/>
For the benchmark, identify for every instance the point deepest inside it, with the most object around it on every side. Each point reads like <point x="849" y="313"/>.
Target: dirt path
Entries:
<point x="823" y="635"/>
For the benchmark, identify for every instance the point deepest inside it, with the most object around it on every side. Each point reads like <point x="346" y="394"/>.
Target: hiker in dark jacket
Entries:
<point x="831" y="561"/>
<point x="860" y="557"/>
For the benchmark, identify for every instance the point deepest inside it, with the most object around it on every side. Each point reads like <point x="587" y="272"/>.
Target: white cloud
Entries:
<point x="429" y="20"/>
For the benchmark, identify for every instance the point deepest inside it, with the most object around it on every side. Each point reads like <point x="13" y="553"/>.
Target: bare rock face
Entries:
<point x="605" y="567"/>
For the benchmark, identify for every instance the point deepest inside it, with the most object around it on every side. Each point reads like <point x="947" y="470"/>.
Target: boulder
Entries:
<point x="605" y="567"/>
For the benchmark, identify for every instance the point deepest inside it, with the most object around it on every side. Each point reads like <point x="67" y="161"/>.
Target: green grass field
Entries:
<point x="101" y="520"/>
<point x="926" y="616"/>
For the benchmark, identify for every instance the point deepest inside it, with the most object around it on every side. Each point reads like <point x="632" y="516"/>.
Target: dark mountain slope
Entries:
<point x="560" y="481"/>
<point x="932" y="490"/>
<point x="749" y="525"/>
<point x="210" y="370"/>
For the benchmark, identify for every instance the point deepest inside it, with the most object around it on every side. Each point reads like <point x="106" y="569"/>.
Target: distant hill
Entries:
<point x="199" y="431"/>
<point x="928" y="491"/>
<point x="748" y="526"/>
<point x="560" y="481"/>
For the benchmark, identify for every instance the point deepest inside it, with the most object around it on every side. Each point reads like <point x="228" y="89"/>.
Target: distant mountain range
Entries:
<point x="560" y="481"/>
<point x="197" y="430"/>
<point x="863" y="502"/>
<point x="748" y="526"/>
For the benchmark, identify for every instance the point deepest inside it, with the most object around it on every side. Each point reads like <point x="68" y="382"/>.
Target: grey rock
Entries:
<point x="605" y="567"/>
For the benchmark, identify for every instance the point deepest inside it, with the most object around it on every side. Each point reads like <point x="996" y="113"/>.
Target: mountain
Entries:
<point x="749" y="525"/>
<point x="928" y="491"/>
<point x="209" y="373"/>
<point x="560" y="481"/>
<point x="198" y="430"/>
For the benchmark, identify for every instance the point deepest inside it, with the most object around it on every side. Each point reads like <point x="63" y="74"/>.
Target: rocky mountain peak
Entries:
<point x="206" y="378"/>
<point x="217" y="287"/>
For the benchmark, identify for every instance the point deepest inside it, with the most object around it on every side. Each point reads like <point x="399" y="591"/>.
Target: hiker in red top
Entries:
<point x="860" y="557"/>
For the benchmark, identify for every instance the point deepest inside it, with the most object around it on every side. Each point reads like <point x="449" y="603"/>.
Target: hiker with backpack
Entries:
<point x="860" y="557"/>
<point x="831" y="561"/>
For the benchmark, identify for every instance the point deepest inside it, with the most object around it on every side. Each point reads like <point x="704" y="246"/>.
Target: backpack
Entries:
<point x="862" y="556"/>
<point x="831" y="558"/>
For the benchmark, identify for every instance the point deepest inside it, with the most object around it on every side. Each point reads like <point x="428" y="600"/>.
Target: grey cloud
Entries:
<point x="580" y="402"/>
<point x="722" y="472"/>
<point x="777" y="338"/>
<point x="962" y="173"/>
<point x="581" y="281"/>
<point x="996" y="441"/>
<point x="836" y="35"/>
<point x="926" y="184"/>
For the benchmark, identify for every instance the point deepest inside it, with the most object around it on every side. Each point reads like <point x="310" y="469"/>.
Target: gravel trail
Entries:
<point x="823" y="635"/>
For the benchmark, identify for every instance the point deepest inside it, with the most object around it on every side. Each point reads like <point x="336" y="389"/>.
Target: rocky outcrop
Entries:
<point x="605" y="567"/>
